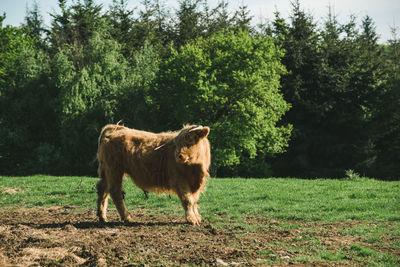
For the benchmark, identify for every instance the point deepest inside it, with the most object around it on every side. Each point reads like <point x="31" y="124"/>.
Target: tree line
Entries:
<point x="283" y="97"/>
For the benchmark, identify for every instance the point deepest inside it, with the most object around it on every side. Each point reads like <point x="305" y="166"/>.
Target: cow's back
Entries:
<point x="120" y="143"/>
<point x="135" y="153"/>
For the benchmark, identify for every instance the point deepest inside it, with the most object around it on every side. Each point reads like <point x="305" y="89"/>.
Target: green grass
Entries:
<point x="365" y="213"/>
<point x="294" y="199"/>
<point x="278" y="198"/>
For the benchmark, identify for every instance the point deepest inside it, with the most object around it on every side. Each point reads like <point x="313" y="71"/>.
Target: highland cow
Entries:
<point x="170" y="162"/>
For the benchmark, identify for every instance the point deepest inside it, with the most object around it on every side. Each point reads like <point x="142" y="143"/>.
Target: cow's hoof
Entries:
<point x="128" y="220"/>
<point x="102" y="221"/>
<point x="193" y="221"/>
<point x="198" y="217"/>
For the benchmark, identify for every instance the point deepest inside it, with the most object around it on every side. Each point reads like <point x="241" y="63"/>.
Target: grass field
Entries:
<point x="363" y="212"/>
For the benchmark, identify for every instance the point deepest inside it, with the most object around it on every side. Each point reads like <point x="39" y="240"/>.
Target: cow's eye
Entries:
<point x="180" y="156"/>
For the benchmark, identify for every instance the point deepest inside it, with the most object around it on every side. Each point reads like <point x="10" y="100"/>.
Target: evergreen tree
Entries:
<point x="333" y="84"/>
<point x="218" y="18"/>
<point x="121" y="21"/>
<point x="152" y="25"/>
<point x="279" y="29"/>
<point x="300" y="88"/>
<point x="242" y="18"/>
<point x="188" y="25"/>
<point x="75" y="24"/>
<point x="393" y="54"/>
<point x="86" y="19"/>
<point x="386" y="118"/>
<point x="61" y="27"/>
<point x="34" y="22"/>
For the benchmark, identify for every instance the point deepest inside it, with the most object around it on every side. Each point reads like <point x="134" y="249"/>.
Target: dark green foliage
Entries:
<point x="242" y="18"/>
<point x="157" y="68"/>
<point x="386" y="115"/>
<point x="153" y="25"/>
<point x="300" y="87"/>
<point x="34" y="22"/>
<point x="28" y="121"/>
<point x="218" y="18"/>
<point x="188" y="25"/>
<point x="335" y="78"/>
<point x="120" y="19"/>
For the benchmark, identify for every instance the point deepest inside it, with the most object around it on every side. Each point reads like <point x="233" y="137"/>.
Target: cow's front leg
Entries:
<point x="188" y="204"/>
<point x="195" y="206"/>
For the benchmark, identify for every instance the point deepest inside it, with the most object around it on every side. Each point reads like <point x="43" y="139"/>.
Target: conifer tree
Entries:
<point x="300" y="40"/>
<point x="34" y="22"/>
<point x="242" y="18"/>
<point x="219" y="18"/>
<point x="386" y="116"/>
<point x="121" y="22"/>
<point x="188" y="24"/>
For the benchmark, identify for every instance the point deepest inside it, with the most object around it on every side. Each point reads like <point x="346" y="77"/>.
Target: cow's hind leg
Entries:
<point x="102" y="200"/>
<point x="117" y="195"/>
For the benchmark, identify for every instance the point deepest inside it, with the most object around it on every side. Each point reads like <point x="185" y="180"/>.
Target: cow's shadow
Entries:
<point x="97" y="225"/>
<point x="87" y="225"/>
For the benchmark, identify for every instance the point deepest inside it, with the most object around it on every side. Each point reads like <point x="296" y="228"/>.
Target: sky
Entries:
<point x="385" y="13"/>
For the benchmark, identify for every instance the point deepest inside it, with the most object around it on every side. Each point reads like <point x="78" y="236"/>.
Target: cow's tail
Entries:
<point x="102" y="135"/>
<point x="100" y="169"/>
<point x="109" y="128"/>
<point x="103" y="138"/>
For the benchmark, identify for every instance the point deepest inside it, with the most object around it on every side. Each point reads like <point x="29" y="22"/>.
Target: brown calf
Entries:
<point x="170" y="162"/>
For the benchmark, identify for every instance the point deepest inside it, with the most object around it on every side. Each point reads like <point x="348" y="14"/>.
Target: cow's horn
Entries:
<point x="195" y="129"/>
<point x="157" y="148"/>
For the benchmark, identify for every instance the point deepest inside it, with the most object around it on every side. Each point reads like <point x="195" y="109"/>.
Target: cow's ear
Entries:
<point x="199" y="131"/>
<point x="203" y="132"/>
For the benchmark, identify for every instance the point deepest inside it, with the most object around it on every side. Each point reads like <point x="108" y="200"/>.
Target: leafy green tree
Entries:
<point x="136" y="105"/>
<point x="27" y="116"/>
<point x="230" y="82"/>
<point x="90" y="79"/>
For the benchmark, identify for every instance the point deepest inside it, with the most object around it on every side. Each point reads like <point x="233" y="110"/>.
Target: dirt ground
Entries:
<point x="65" y="236"/>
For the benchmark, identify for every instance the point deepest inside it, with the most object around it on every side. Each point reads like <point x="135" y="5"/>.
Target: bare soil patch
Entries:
<point x="10" y="191"/>
<point x="64" y="236"/>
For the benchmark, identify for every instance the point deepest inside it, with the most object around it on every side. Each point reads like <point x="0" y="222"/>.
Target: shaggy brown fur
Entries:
<point x="171" y="162"/>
